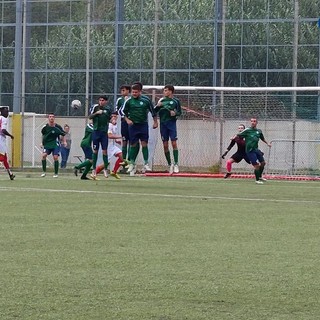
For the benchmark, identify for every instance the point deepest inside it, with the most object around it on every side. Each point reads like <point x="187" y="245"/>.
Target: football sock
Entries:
<point x="257" y="174"/>
<point x="229" y="166"/>
<point x="5" y="162"/>
<point x="94" y="160"/>
<point x="128" y="153"/>
<point x="117" y="165"/>
<point x="175" y="155"/>
<point x="99" y="168"/>
<point x="124" y="151"/>
<point x="56" y="166"/>
<point x="133" y="152"/>
<point x="82" y="164"/>
<point x="145" y="153"/>
<point x="87" y="168"/>
<point x="167" y="154"/>
<point x="261" y="169"/>
<point x="44" y="165"/>
<point x="105" y="161"/>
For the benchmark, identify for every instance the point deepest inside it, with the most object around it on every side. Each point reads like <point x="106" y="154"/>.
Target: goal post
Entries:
<point x="211" y="116"/>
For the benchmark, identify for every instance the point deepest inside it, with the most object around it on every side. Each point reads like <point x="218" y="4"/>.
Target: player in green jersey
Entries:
<point x="252" y="135"/>
<point x="100" y="115"/>
<point x="169" y="108"/>
<point x="135" y="111"/>
<point x="86" y="146"/>
<point x="125" y="93"/>
<point x="52" y="135"/>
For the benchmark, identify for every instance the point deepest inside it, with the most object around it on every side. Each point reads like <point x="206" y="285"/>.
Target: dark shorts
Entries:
<point x="238" y="156"/>
<point x="255" y="156"/>
<point x="168" y="130"/>
<point x="55" y="151"/>
<point x="124" y="130"/>
<point x="87" y="152"/>
<point x="99" y="138"/>
<point x="139" y="131"/>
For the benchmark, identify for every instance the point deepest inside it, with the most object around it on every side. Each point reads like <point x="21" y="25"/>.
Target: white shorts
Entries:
<point x="113" y="150"/>
<point x="3" y="144"/>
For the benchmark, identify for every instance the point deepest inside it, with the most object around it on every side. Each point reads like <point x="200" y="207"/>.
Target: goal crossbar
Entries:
<point x="237" y="89"/>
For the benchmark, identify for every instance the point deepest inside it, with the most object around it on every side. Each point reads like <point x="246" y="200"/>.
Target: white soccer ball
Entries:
<point x="75" y="104"/>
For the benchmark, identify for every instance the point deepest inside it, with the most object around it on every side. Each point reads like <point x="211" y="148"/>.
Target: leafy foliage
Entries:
<point x="258" y="46"/>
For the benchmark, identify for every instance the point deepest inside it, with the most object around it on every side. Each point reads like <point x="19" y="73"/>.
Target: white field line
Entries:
<point x="182" y="196"/>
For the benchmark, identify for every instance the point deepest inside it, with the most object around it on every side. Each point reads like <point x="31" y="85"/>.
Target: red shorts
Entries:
<point x="3" y="157"/>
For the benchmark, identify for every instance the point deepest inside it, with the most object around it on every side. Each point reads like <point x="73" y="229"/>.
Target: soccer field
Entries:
<point x="158" y="248"/>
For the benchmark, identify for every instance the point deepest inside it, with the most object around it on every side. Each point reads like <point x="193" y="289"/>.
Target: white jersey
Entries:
<point x="3" y="137"/>
<point x="113" y="147"/>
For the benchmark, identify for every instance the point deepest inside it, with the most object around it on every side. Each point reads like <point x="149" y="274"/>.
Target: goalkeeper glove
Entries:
<point x="224" y="155"/>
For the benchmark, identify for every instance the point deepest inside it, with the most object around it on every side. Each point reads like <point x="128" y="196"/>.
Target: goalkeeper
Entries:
<point x="239" y="155"/>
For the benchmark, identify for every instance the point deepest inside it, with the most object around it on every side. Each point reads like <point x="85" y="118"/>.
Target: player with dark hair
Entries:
<point x="240" y="153"/>
<point x="169" y="108"/>
<point x="52" y="136"/>
<point x="252" y="135"/>
<point x="138" y="83"/>
<point x="125" y="93"/>
<point x="100" y="116"/>
<point x="3" y="140"/>
<point x="135" y="111"/>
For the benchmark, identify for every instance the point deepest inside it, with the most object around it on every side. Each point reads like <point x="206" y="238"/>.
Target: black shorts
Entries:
<point x="238" y="156"/>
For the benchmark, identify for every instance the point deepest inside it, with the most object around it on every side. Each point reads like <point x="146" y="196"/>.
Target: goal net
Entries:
<point x="288" y="117"/>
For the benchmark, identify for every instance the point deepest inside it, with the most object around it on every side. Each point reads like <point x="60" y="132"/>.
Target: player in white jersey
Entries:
<point x="3" y="140"/>
<point x="113" y="146"/>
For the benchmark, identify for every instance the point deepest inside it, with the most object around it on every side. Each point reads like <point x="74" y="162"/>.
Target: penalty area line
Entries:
<point x="174" y="196"/>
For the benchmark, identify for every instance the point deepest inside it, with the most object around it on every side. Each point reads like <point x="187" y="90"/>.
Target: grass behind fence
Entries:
<point x="158" y="248"/>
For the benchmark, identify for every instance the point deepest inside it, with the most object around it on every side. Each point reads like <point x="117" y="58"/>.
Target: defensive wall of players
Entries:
<point x="295" y="144"/>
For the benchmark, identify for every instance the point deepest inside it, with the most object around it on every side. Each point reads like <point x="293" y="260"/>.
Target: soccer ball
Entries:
<point x="75" y="104"/>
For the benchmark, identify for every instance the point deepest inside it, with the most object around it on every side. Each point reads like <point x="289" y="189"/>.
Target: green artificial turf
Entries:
<point x="158" y="248"/>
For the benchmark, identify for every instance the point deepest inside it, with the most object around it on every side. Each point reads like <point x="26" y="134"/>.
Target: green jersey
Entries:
<point x="87" y="139"/>
<point x="167" y="105"/>
<point x="252" y="137"/>
<point x="120" y="102"/>
<point x="101" y="121"/>
<point x="137" y="109"/>
<point x="51" y="136"/>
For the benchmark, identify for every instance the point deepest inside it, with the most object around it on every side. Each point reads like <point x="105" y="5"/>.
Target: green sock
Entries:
<point x="167" y="154"/>
<point x="133" y="152"/>
<point x="94" y="160"/>
<point x="44" y="165"/>
<point x="83" y="164"/>
<point x="105" y="161"/>
<point x="128" y="152"/>
<point x="176" y="155"/>
<point x="124" y="151"/>
<point x="56" y="166"/>
<point x="257" y="174"/>
<point x="145" y="153"/>
<point x="87" y="168"/>
<point x="261" y="169"/>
